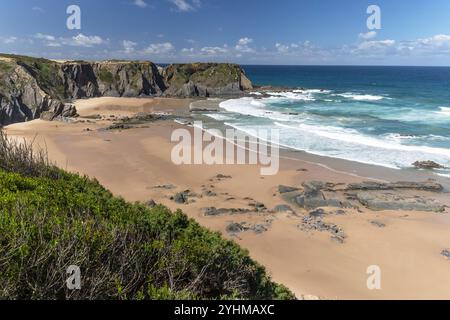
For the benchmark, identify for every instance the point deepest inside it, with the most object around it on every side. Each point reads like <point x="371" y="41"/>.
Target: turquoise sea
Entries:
<point x="388" y="116"/>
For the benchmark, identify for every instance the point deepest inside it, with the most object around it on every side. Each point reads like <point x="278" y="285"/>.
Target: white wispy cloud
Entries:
<point x="242" y="45"/>
<point x="160" y="48"/>
<point x="82" y="40"/>
<point x="140" y="3"/>
<point x="79" y="40"/>
<point x="185" y="5"/>
<point x="46" y="37"/>
<point x="129" y="46"/>
<point x="368" y="35"/>
<point x="214" y="51"/>
<point x="38" y="9"/>
<point x="8" y="40"/>
<point x="282" y="48"/>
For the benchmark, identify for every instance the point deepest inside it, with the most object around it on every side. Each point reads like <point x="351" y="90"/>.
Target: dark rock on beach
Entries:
<point x="165" y="186"/>
<point x="151" y="204"/>
<point x="392" y="201"/>
<point x="429" y="165"/>
<point x="429" y="185"/>
<point x="313" y="197"/>
<point x="236" y="228"/>
<point x="377" y="223"/>
<point x="283" y="208"/>
<point x="317" y="213"/>
<point x="310" y="223"/>
<point x="446" y="253"/>
<point x="286" y="189"/>
<point x="183" y="197"/>
<point x="213" y="211"/>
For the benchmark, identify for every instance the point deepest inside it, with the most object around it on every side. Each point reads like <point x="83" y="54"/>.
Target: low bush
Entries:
<point x="51" y="219"/>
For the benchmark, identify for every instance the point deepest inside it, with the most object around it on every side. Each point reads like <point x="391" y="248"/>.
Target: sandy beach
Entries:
<point x="136" y="164"/>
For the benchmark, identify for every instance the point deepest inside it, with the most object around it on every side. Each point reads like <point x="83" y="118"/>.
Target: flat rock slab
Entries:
<point x="391" y="201"/>
<point x="212" y="211"/>
<point x="374" y="186"/>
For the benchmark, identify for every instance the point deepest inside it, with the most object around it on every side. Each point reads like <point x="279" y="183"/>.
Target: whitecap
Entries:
<point x="361" y="97"/>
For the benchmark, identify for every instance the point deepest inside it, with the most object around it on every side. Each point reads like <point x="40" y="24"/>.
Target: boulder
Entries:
<point x="151" y="204"/>
<point x="286" y="189"/>
<point x="377" y="223"/>
<point x="283" y="208"/>
<point x="429" y="165"/>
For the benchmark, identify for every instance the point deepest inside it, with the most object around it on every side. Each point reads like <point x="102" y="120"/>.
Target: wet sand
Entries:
<point x="132" y="162"/>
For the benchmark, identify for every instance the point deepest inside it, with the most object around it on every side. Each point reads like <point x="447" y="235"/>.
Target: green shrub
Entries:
<point x="50" y="219"/>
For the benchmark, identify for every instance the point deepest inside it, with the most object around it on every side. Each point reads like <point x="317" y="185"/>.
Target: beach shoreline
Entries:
<point x="136" y="164"/>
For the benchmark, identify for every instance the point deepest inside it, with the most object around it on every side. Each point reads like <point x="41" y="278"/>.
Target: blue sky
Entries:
<point x="413" y="32"/>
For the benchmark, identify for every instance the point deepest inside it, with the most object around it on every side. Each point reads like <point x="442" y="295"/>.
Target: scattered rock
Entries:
<point x="283" y="208"/>
<point x="137" y="121"/>
<point x="213" y="211"/>
<point x="118" y="126"/>
<point x="210" y="193"/>
<point x="286" y="189"/>
<point x="165" y="186"/>
<point x="446" y="253"/>
<point x="234" y="228"/>
<point x="222" y="177"/>
<point x="337" y="239"/>
<point x="428" y="165"/>
<point x="317" y="213"/>
<point x="310" y="223"/>
<point x="378" y="224"/>
<point x="259" y="228"/>
<point x="93" y="117"/>
<point x="390" y="201"/>
<point x="258" y="206"/>
<point x="182" y="197"/>
<point x="151" y="204"/>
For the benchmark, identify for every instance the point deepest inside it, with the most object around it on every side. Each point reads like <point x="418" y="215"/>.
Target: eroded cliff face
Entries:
<point x="33" y="87"/>
<point x="22" y="98"/>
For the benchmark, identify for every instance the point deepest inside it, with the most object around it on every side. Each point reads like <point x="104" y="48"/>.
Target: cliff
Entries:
<point x="205" y="80"/>
<point x="35" y="87"/>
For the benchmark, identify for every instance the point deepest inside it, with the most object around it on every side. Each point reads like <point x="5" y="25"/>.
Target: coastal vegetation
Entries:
<point x="51" y="219"/>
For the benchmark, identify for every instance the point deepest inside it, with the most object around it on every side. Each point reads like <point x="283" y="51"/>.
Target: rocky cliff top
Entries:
<point x="30" y="86"/>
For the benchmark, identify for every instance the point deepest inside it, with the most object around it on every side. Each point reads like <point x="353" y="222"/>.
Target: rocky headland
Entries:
<point x="31" y="88"/>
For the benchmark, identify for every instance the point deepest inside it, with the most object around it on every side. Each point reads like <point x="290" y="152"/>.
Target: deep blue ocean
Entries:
<point x="388" y="116"/>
